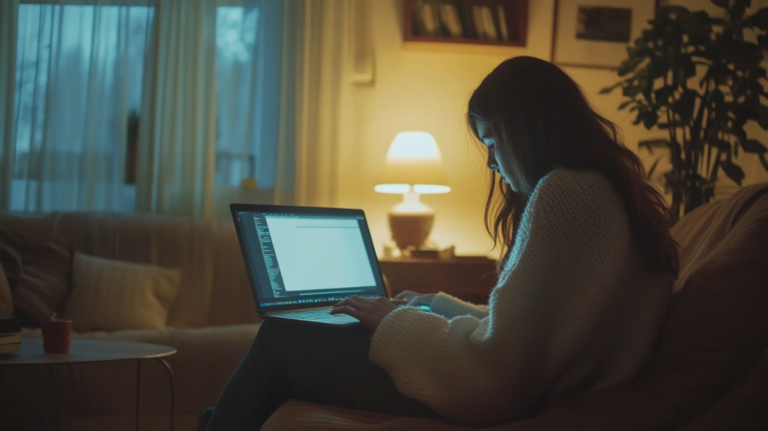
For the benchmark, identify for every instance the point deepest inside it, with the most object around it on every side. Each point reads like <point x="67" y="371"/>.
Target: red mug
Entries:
<point x="56" y="336"/>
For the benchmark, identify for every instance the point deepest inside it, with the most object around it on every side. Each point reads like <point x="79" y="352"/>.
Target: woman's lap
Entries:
<point x="321" y="364"/>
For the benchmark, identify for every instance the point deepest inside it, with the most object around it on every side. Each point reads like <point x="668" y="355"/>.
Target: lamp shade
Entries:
<point x="413" y="160"/>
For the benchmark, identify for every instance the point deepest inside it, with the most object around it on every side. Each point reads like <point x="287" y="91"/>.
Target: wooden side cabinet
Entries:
<point x="483" y="22"/>
<point x="468" y="278"/>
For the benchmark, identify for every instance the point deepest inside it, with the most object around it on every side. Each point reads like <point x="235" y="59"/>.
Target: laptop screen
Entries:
<point x="298" y="257"/>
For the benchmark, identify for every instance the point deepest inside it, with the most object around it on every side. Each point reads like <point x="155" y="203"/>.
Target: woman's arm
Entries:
<point x="449" y="307"/>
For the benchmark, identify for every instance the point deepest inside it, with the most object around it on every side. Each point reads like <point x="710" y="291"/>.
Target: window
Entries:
<point x="79" y="75"/>
<point x="80" y="84"/>
<point x="236" y="143"/>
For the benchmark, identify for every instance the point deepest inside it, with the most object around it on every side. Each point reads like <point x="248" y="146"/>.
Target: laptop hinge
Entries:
<point x="274" y="313"/>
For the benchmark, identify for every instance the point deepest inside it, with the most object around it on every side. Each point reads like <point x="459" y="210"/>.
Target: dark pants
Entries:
<point x="318" y="364"/>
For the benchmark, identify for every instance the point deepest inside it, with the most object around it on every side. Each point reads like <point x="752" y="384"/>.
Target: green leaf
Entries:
<point x="630" y="64"/>
<point x="763" y="161"/>
<point x="639" y="118"/>
<point x="738" y="8"/>
<point x="631" y="90"/>
<point x="607" y="90"/>
<point x="650" y="144"/>
<point x="650" y="118"/>
<point x="733" y="171"/>
<point x="760" y="19"/>
<point x="625" y="104"/>
<point x="663" y="94"/>
<point x="753" y="146"/>
<point x="762" y="117"/>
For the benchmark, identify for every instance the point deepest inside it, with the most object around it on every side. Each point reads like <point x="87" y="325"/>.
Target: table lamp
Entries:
<point x="414" y="166"/>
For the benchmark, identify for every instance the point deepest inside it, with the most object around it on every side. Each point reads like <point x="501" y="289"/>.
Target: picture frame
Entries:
<point x="595" y="33"/>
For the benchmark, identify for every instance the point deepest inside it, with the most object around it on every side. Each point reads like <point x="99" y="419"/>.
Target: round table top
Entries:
<point x="32" y="353"/>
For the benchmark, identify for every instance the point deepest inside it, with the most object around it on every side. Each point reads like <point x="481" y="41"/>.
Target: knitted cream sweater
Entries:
<point x="574" y="309"/>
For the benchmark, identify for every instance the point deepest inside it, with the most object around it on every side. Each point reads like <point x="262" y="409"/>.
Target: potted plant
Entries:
<point x="700" y="78"/>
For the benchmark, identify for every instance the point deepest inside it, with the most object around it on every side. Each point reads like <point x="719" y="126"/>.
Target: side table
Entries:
<point x="470" y="278"/>
<point x="84" y="351"/>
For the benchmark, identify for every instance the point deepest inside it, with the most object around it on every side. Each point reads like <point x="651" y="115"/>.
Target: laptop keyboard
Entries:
<point x="311" y="314"/>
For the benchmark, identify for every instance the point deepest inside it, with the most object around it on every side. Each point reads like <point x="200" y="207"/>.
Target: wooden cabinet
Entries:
<point x="468" y="278"/>
<point x="484" y="22"/>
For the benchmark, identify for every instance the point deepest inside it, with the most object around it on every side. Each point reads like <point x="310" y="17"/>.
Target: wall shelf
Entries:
<point x="501" y="23"/>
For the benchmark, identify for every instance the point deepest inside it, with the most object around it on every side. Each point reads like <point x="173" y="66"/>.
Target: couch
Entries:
<point x="211" y="323"/>
<point x="708" y="371"/>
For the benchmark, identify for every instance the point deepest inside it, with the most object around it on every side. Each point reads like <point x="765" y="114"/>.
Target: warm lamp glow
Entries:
<point x="414" y="166"/>
<point x="413" y="160"/>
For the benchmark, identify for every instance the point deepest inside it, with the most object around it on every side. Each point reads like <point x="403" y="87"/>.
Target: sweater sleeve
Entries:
<point x="449" y="307"/>
<point x="551" y="298"/>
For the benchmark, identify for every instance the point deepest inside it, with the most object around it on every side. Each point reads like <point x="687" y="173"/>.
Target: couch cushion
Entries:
<point x="6" y="303"/>
<point x="111" y="295"/>
<point x="10" y="257"/>
<point x="744" y="409"/>
<point x="717" y="326"/>
<point x="45" y="280"/>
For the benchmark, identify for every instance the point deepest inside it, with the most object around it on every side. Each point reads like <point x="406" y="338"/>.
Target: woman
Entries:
<point x="586" y="274"/>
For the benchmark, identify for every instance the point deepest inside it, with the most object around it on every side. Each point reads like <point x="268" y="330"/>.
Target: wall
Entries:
<point x="427" y="88"/>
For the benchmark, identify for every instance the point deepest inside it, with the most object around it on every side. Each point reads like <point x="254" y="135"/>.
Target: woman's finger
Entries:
<point x="357" y="301"/>
<point x="344" y="309"/>
<point x="350" y="302"/>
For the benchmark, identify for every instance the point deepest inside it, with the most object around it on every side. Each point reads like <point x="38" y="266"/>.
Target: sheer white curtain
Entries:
<point x="78" y="70"/>
<point x="9" y="11"/>
<point x="219" y="104"/>
<point x="336" y="54"/>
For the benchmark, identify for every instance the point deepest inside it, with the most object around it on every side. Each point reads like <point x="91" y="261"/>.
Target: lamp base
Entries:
<point x="410" y="229"/>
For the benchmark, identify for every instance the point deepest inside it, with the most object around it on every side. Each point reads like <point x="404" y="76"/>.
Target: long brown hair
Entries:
<point x="542" y="121"/>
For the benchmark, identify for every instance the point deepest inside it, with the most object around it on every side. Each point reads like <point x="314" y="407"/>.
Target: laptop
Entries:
<point x="303" y="260"/>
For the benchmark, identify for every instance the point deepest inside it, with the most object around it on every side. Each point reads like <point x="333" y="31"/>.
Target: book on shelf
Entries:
<point x="429" y="18"/>
<point x="10" y="348"/>
<point x="468" y="21"/>
<point x="451" y="20"/>
<point x="477" y="17"/>
<point x="503" y="32"/>
<point x="489" y="27"/>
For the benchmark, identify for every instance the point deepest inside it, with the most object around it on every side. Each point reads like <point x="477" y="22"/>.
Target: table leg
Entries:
<point x="173" y="388"/>
<point x="138" y="394"/>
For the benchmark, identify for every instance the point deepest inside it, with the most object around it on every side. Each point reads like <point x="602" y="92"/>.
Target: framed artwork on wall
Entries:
<point x="595" y="33"/>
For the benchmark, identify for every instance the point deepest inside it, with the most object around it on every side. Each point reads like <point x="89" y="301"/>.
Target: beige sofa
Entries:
<point x="211" y="324"/>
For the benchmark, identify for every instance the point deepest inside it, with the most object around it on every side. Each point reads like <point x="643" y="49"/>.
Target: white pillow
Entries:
<point x="108" y="295"/>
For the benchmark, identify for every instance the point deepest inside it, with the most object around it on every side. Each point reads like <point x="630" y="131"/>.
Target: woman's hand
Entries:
<point x="370" y="312"/>
<point x="415" y="299"/>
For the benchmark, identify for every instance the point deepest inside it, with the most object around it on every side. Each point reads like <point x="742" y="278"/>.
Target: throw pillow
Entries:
<point x="109" y="295"/>
<point x="10" y="257"/>
<point x="6" y="304"/>
<point x="44" y="283"/>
